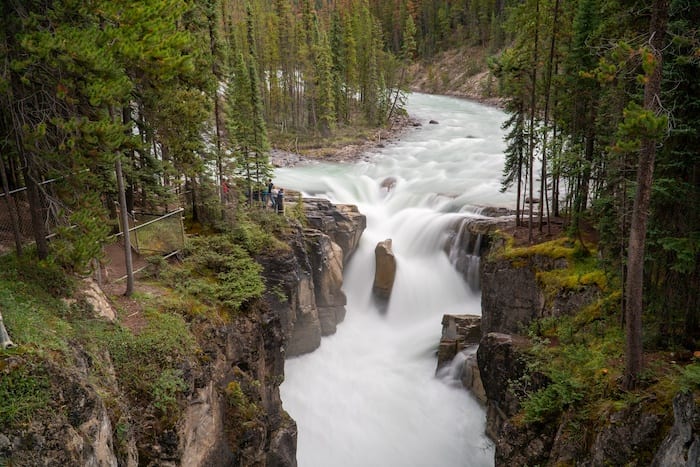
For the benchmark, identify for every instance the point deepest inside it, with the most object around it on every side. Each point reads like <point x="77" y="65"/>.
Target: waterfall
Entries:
<point x="369" y="395"/>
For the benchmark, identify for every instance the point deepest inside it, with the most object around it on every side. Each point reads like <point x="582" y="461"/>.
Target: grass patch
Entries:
<point x="23" y="392"/>
<point x="148" y="364"/>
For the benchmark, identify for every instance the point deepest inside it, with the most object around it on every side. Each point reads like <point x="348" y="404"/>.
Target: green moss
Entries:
<point x="559" y="248"/>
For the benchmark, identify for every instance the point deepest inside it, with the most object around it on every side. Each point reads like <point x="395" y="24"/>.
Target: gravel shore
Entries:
<point x="360" y="150"/>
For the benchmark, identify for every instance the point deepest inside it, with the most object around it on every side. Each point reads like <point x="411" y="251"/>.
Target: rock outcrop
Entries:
<point x="681" y="447"/>
<point x="304" y="285"/>
<point x="460" y="336"/>
<point x="385" y="270"/>
<point x="458" y="333"/>
<point x="343" y="223"/>
<point x="327" y="265"/>
<point x="512" y="296"/>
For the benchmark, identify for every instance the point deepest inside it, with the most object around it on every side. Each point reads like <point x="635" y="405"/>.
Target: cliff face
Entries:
<point x="231" y="413"/>
<point x="512" y="297"/>
<point x="305" y="285"/>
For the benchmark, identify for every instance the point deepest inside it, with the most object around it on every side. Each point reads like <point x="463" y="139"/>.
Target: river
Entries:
<point x="369" y="395"/>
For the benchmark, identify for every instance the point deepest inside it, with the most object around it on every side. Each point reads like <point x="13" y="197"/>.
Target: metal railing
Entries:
<point x="155" y="234"/>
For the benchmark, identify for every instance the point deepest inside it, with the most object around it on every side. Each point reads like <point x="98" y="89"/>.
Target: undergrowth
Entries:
<point x="217" y="271"/>
<point x="581" y="356"/>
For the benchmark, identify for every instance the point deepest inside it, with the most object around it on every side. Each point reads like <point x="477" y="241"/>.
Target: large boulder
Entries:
<point x="388" y="183"/>
<point x="385" y="272"/>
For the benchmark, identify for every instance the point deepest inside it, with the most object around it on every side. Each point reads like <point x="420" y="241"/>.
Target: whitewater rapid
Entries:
<point x="369" y="395"/>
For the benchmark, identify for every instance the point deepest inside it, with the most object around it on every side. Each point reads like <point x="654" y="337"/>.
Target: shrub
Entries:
<point x="218" y="272"/>
<point x="549" y="402"/>
<point x="690" y="377"/>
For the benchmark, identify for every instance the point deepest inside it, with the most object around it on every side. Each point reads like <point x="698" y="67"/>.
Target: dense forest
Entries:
<point x="176" y="97"/>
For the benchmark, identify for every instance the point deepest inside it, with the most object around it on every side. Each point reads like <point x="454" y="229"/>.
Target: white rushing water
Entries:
<point x="369" y="395"/>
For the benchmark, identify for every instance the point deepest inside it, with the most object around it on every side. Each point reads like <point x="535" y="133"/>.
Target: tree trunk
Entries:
<point x="125" y="229"/>
<point x="640" y="214"/>
<point x="547" y="89"/>
<point x="36" y="211"/>
<point x="533" y="111"/>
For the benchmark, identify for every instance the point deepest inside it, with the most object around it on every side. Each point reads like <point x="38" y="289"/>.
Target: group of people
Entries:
<point x="270" y="195"/>
<point x="275" y="197"/>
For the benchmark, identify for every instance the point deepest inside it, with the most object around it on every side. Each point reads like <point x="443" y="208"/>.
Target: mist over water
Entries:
<point x="369" y="395"/>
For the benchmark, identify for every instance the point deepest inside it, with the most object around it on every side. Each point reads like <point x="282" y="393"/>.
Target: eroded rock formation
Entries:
<point x="385" y="270"/>
<point x="460" y="334"/>
<point x="343" y="223"/>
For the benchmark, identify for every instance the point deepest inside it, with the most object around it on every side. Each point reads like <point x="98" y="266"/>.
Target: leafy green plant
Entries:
<point x="690" y="377"/>
<point x="240" y="403"/>
<point x="549" y="402"/>
<point x="166" y="388"/>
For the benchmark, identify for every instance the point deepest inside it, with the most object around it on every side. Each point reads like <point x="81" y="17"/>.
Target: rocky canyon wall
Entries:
<point x="636" y="434"/>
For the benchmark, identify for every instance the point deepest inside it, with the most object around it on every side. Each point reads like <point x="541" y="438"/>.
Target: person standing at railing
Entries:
<point x="268" y="190"/>
<point x="273" y="197"/>
<point x="279" y="202"/>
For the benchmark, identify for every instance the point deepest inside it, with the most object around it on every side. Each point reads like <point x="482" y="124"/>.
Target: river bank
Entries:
<point x="359" y="149"/>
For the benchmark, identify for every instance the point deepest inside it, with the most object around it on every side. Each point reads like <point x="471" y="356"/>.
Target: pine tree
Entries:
<point x="652" y="127"/>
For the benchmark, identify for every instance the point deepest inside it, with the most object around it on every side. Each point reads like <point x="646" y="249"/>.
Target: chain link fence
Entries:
<point x="152" y="234"/>
<point x="16" y="202"/>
